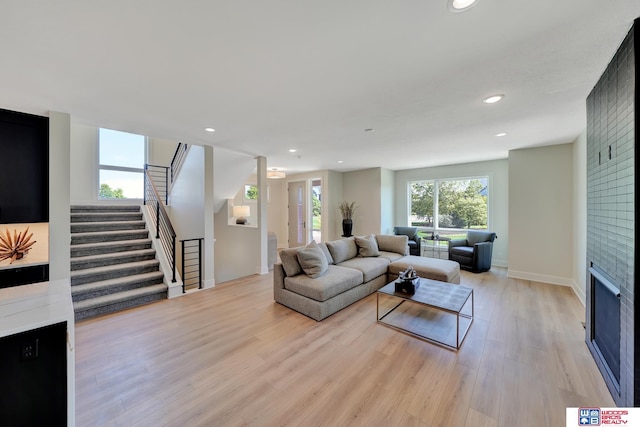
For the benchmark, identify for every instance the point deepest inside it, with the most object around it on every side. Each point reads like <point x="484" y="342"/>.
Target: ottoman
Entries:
<point x="428" y="268"/>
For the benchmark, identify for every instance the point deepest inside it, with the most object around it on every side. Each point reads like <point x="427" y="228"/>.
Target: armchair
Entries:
<point x="474" y="252"/>
<point x="414" y="238"/>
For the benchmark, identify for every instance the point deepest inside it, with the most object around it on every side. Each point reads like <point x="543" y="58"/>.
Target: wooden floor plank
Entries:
<point x="231" y="356"/>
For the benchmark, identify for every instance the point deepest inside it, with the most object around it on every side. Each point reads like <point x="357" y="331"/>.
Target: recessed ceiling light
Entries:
<point x="339" y="161"/>
<point x="501" y="134"/>
<point x="460" y="5"/>
<point x="292" y="150"/>
<point x="210" y="129"/>
<point x="493" y="99"/>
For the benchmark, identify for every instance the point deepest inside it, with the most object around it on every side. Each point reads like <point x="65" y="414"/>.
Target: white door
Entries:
<point x="297" y="214"/>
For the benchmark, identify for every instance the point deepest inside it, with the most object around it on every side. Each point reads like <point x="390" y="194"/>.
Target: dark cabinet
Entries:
<point x="33" y="377"/>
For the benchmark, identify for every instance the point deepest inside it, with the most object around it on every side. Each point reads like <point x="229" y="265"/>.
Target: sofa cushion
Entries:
<point x="391" y="256"/>
<point x="389" y="243"/>
<point x="334" y="282"/>
<point x="312" y="260"/>
<point x="367" y="246"/>
<point x="342" y="250"/>
<point x="371" y="267"/>
<point x="325" y="251"/>
<point x="289" y="258"/>
<point x="428" y="268"/>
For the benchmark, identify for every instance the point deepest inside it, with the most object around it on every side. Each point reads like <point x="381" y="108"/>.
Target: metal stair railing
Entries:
<point x="160" y="177"/>
<point x="191" y="263"/>
<point x="163" y="228"/>
<point x="178" y="160"/>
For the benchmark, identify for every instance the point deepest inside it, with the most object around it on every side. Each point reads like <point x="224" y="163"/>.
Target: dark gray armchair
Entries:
<point x="474" y="252"/>
<point x="414" y="239"/>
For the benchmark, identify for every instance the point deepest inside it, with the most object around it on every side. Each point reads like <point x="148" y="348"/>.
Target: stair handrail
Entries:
<point x="164" y="228"/>
<point x="178" y="159"/>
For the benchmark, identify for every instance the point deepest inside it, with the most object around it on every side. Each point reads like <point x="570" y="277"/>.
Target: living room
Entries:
<point x="537" y="206"/>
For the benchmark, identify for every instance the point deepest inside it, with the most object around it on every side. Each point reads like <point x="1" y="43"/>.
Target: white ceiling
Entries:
<point x="271" y="75"/>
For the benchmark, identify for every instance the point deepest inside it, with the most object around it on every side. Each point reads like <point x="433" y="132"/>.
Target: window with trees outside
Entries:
<point x="449" y="206"/>
<point x="121" y="164"/>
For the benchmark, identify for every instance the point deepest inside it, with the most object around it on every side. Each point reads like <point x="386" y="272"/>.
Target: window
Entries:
<point x="121" y="164"/>
<point x="250" y="192"/>
<point x="449" y="204"/>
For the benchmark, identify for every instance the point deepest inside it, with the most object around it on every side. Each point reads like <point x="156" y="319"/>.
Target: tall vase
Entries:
<point x="347" y="226"/>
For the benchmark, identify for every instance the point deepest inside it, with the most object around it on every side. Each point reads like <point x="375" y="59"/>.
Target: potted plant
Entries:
<point x="347" y="209"/>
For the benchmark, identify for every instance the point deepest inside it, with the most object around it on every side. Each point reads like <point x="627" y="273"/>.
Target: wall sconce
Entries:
<point x="241" y="212"/>
<point x="275" y="174"/>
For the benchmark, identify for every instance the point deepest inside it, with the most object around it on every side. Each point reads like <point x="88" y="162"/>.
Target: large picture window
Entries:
<point x="449" y="204"/>
<point x="121" y="165"/>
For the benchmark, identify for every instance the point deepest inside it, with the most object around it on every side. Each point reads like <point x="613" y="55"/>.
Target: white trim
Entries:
<point x="174" y="288"/>
<point x="554" y="280"/>
<point x="208" y="283"/>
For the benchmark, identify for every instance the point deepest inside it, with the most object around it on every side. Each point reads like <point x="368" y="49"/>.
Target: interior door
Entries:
<point x="297" y="214"/>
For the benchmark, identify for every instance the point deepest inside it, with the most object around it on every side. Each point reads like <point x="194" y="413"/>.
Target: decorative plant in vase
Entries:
<point x="347" y="209"/>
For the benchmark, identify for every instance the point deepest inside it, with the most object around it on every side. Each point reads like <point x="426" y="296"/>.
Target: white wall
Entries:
<point x="364" y="188"/>
<point x="332" y="197"/>
<point x="59" y="195"/>
<point x="186" y="203"/>
<point x="541" y="224"/>
<point x="277" y="210"/>
<point x="498" y="173"/>
<point x="580" y="216"/>
<point x="160" y="152"/>
<point x="83" y="167"/>
<point x="237" y="248"/>
<point x="387" y="220"/>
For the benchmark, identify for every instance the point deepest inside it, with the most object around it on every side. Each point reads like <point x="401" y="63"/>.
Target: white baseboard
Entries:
<point x="534" y="277"/>
<point x="262" y="270"/>
<point x="210" y="283"/>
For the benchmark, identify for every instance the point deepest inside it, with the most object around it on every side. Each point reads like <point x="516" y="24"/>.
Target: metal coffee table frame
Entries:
<point x="442" y="296"/>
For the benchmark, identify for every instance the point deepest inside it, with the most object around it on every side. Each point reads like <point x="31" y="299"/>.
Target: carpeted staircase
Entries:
<point x="113" y="266"/>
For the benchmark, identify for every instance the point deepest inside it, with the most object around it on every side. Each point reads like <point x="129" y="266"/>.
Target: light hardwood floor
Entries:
<point x="231" y="356"/>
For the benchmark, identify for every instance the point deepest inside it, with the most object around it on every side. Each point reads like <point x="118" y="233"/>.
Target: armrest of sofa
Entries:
<point x="482" y="253"/>
<point x="417" y="239"/>
<point x="458" y="242"/>
<point x="278" y="276"/>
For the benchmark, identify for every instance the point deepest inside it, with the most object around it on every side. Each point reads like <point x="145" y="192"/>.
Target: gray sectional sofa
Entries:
<point x="321" y="279"/>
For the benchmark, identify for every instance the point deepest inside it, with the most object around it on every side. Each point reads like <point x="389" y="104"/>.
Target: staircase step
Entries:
<point x="92" y="261"/>
<point x="97" y="274"/>
<point x="118" y="301"/>
<point x="106" y="216"/>
<point x="105" y="208"/>
<point x="85" y="227"/>
<point x="112" y="286"/>
<point x="88" y="249"/>
<point x="108" y="236"/>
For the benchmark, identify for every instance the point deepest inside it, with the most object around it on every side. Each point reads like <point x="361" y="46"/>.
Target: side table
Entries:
<point x="433" y="248"/>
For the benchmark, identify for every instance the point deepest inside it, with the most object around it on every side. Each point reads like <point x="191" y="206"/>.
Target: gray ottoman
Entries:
<point x="428" y="268"/>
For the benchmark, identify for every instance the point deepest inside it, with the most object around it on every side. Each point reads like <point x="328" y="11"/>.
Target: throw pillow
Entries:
<point x="367" y="246"/>
<point x="313" y="261"/>
<point x="389" y="243"/>
<point x="343" y="249"/>
<point x="326" y="252"/>
<point x="290" y="262"/>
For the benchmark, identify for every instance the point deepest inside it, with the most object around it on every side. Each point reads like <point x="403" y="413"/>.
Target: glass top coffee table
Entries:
<point x="438" y="312"/>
